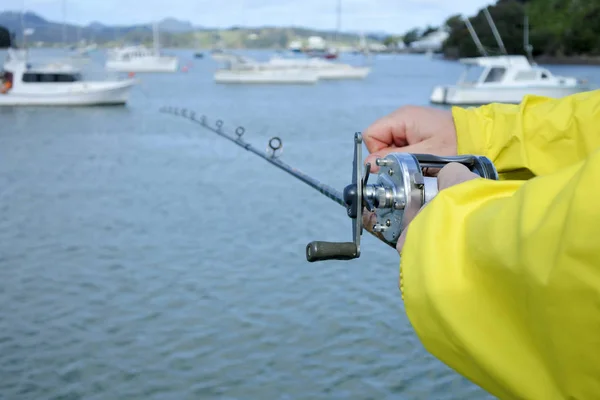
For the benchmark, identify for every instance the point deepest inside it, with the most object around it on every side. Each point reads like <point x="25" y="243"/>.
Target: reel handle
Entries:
<point x="353" y="197"/>
<point x="323" y="251"/>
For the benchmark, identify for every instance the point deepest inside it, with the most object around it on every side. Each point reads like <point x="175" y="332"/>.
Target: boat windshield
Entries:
<point x="471" y="75"/>
<point x="36" y="77"/>
<point x="495" y="74"/>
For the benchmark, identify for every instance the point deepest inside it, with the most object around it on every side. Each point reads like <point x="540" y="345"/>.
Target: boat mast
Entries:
<point x="475" y="37"/>
<point x="156" y="39"/>
<point x="495" y="31"/>
<point x="64" y="24"/>
<point x="339" y="20"/>
<point x="23" y="27"/>
<point x="526" y="44"/>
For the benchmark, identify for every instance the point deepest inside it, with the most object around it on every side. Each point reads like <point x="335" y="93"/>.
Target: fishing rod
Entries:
<point x="401" y="189"/>
<point x="275" y="145"/>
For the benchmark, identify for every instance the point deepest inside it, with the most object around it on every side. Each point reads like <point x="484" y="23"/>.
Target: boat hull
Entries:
<point x="455" y="95"/>
<point x="344" y="73"/>
<point x="86" y="94"/>
<point x="163" y="64"/>
<point x="265" y="77"/>
<point x="324" y="69"/>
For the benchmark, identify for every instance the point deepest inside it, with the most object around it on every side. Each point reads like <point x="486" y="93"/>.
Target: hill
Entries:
<point x="173" y="33"/>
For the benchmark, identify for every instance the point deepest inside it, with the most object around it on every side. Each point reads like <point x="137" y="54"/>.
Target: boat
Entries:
<point x="325" y="69"/>
<point x="295" y="46"/>
<point x="265" y="76"/>
<point x="505" y="79"/>
<point x="239" y="69"/>
<point x="284" y="66"/>
<point x="58" y="84"/>
<point x="141" y="59"/>
<point x="328" y="54"/>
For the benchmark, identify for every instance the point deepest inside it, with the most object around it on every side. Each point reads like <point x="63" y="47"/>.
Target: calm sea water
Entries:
<point x="143" y="257"/>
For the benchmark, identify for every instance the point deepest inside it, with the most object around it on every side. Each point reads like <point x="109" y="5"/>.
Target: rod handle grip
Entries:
<point x="323" y="251"/>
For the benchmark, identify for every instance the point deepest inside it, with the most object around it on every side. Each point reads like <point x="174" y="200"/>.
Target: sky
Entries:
<point x="391" y="16"/>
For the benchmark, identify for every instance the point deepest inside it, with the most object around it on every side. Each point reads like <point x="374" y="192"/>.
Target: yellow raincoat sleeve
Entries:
<point x="538" y="136"/>
<point x="501" y="280"/>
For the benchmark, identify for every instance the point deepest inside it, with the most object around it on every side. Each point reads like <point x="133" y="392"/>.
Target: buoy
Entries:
<point x="131" y="74"/>
<point x="185" y="68"/>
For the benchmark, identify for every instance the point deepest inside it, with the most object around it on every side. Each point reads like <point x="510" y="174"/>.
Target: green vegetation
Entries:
<point x="5" y="39"/>
<point x="237" y="38"/>
<point x="558" y="28"/>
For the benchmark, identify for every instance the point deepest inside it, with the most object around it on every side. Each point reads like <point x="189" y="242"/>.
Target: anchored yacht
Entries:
<point x="244" y="70"/>
<point x="284" y="70"/>
<point x="59" y="84"/>
<point x="505" y="79"/>
<point x="141" y="59"/>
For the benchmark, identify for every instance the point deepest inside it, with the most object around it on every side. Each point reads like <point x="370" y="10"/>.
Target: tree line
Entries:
<point x="557" y="28"/>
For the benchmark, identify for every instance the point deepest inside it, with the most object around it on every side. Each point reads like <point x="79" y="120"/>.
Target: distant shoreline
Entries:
<point x="547" y="60"/>
<point x="558" y="60"/>
<point x="568" y="60"/>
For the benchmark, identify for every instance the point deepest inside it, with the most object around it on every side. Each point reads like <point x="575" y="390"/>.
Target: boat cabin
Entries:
<point x="132" y="53"/>
<point x="505" y="70"/>
<point x="12" y="78"/>
<point x="18" y="74"/>
<point x="50" y="77"/>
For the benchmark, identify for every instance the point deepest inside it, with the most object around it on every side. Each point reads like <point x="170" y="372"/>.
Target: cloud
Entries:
<point x="394" y="16"/>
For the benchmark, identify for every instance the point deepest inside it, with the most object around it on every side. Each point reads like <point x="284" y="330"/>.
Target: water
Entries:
<point x="142" y="257"/>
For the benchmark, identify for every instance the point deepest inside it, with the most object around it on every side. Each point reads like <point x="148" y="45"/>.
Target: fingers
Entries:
<point x="453" y="174"/>
<point x="384" y="133"/>
<point x="431" y="172"/>
<point x="418" y="148"/>
<point x="369" y="220"/>
<point x="400" y="243"/>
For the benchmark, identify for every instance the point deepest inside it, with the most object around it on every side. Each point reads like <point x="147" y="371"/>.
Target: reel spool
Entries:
<point x="396" y="197"/>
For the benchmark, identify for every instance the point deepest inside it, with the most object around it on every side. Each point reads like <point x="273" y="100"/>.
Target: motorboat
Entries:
<point x="139" y="58"/>
<point x="243" y="70"/>
<point x="288" y="67"/>
<point x="324" y="69"/>
<point x="505" y="79"/>
<point x="265" y="76"/>
<point x="56" y="84"/>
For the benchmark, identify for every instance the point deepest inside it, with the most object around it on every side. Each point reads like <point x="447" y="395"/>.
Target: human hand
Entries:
<point x="411" y="129"/>
<point x="452" y="174"/>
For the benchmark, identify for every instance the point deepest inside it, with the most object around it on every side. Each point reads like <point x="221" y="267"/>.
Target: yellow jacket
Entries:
<point x="501" y="279"/>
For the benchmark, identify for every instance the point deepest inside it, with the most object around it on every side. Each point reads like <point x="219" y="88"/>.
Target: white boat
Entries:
<point x="265" y="76"/>
<point x="141" y="59"/>
<point x="324" y="69"/>
<point x="240" y="69"/>
<point x="280" y="68"/>
<point x="505" y="79"/>
<point x="22" y="84"/>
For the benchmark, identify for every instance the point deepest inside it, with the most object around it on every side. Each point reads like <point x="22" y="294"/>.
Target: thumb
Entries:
<point x="418" y="148"/>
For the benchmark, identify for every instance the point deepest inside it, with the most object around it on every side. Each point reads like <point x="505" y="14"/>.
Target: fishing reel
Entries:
<point x="400" y="191"/>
